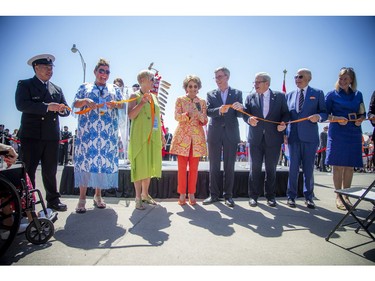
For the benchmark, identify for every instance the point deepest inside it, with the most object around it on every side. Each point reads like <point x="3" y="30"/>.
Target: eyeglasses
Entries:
<point x="103" y="71"/>
<point x="258" y="82"/>
<point x="193" y="86"/>
<point x="219" y="77"/>
<point x="298" y="76"/>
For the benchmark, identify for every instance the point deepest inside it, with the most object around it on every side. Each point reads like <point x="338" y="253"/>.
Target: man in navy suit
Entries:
<point x="303" y="137"/>
<point x="265" y="136"/>
<point x="41" y="103"/>
<point x="223" y="135"/>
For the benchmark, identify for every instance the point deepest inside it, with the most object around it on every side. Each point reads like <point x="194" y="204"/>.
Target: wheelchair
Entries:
<point x="18" y="200"/>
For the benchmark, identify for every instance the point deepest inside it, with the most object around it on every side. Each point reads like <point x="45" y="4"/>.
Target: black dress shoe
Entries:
<point x="271" y="202"/>
<point x="210" y="200"/>
<point x="253" y="202"/>
<point x="57" y="206"/>
<point x="310" y="204"/>
<point x="229" y="202"/>
<point x="291" y="203"/>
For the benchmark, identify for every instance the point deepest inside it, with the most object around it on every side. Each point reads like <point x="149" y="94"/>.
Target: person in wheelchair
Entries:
<point x="9" y="156"/>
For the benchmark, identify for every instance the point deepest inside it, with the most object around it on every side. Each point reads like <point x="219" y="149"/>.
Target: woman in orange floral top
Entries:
<point x="189" y="140"/>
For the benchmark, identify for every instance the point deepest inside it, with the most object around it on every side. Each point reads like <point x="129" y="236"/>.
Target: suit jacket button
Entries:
<point x="42" y="118"/>
<point x="54" y="119"/>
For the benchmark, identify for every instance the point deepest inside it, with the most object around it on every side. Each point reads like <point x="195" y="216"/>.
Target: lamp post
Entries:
<point x="74" y="49"/>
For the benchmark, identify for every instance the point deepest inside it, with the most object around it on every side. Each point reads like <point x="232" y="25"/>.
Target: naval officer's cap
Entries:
<point x="41" y="59"/>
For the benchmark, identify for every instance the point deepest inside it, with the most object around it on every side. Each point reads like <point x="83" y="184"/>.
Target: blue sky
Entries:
<point x="182" y="45"/>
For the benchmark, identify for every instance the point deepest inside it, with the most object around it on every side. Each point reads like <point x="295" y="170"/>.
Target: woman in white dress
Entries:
<point x="96" y="145"/>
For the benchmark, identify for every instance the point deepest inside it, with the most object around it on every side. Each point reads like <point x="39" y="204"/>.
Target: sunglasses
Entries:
<point x="193" y="86"/>
<point x="298" y="76"/>
<point x="347" y="68"/>
<point x="102" y="71"/>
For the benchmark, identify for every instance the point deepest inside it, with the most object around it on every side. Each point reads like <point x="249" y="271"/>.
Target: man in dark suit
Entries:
<point x="223" y="136"/>
<point x="41" y="103"/>
<point x="371" y="114"/>
<point x="265" y="136"/>
<point x="168" y="140"/>
<point x="63" y="153"/>
<point x="303" y="137"/>
<point x="322" y="146"/>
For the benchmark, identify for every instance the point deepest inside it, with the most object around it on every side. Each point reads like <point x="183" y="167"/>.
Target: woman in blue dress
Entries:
<point x="96" y="145"/>
<point x="344" y="148"/>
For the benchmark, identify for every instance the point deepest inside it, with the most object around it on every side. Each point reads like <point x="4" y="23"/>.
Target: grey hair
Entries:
<point x="223" y="69"/>
<point x="265" y="76"/>
<point x="145" y="74"/>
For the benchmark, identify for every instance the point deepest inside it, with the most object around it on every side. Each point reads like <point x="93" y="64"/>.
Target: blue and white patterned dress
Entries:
<point x="96" y="145"/>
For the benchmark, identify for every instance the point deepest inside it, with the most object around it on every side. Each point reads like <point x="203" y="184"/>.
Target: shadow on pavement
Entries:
<point x="93" y="230"/>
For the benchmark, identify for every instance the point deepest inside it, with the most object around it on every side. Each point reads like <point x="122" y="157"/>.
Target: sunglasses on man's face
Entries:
<point x="103" y="71"/>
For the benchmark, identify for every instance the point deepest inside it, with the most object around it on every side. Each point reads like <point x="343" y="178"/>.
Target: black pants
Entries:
<point x="45" y="152"/>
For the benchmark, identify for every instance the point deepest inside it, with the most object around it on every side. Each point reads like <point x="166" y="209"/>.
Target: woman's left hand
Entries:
<point x="358" y="122"/>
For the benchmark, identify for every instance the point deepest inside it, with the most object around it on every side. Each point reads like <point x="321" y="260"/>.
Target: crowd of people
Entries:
<point x="281" y="128"/>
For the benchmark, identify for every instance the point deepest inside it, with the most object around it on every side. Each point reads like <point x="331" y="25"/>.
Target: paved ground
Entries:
<point x="168" y="234"/>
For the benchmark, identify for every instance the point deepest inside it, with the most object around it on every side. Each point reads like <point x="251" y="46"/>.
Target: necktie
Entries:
<point x="46" y="85"/>
<point x="301" y="100"/>
<point x="262" y="103"/>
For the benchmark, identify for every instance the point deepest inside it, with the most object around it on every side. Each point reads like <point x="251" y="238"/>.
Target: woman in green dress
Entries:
<point x="146" y="139"/>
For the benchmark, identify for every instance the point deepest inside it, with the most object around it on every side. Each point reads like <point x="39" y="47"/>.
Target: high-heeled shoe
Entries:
<point x="192" y="200"/>
<point x="99" y="203"/>
<point x="340" y="205"/>
<point x="80" y="209"/>
<point x="181" y="202"/>
<point x="149" y="200"/>
<point x="139" y="204"/>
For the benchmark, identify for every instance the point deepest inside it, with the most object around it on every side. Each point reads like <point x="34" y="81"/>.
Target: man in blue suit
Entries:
<point x="303" y="137"/>
<point x="223" y="135"/>
<point x="265" y="137"/>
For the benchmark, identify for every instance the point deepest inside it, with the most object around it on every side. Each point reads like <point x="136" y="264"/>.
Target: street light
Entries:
<point x="74" y="49"/>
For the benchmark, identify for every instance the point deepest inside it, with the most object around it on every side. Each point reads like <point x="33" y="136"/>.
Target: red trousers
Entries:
<point x="183" y="163"/>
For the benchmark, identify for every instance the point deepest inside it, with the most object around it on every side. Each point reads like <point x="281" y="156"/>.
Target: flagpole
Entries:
<point x="284" y="87"/>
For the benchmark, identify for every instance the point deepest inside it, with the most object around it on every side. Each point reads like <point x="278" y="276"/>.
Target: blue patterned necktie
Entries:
<point x="301" y="100"/>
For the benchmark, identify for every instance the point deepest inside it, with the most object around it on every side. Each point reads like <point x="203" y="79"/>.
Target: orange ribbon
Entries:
<point x="152" y="105"/>
<point x="100" y="105"/>
<point x="294" y="121"/>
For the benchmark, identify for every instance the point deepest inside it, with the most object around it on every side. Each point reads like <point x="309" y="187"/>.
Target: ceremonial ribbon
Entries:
<point x="152" y="105"/>
<point x="100" y="105"/>
<point x="294" y="121"/>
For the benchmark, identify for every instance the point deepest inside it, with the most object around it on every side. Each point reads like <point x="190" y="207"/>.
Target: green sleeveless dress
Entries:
<point x="145" y="157"/>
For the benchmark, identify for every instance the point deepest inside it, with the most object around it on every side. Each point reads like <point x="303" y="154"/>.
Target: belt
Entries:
<point x="352" y="116"/>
